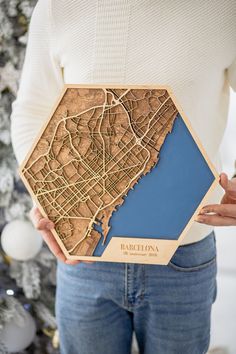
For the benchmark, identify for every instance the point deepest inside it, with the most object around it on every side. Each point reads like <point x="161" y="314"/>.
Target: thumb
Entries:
<point x="224" y="181"/>
<point x="228" y="185"/>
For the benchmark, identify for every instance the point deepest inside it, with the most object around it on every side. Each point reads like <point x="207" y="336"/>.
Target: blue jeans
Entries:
<point x="99" y="305"/>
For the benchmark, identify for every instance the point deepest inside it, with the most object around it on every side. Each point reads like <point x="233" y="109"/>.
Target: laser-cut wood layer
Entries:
<point x="98" y="143"/>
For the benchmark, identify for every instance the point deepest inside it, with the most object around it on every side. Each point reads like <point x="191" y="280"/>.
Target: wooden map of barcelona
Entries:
<point x="95" y="149"/>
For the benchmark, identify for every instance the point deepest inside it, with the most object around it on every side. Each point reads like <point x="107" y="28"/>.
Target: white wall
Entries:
<point x="224" y="310"/>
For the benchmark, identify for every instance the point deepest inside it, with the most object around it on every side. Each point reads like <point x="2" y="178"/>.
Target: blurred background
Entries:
<point x="27" y="268"/>
<point x="224" y="310"/>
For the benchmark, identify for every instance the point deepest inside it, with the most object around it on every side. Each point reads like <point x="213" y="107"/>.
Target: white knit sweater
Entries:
<point x="188" y="45"/>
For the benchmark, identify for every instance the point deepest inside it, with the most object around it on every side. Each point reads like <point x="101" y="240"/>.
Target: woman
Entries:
<point x="191" y="47"/>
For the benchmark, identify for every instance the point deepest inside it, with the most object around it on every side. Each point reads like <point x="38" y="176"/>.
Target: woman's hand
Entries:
<point x="223" y="214"/>
<point x="44" y="225"/>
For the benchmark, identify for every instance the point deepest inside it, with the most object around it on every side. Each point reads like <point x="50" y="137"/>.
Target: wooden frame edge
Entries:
<point x="186" y="121"/>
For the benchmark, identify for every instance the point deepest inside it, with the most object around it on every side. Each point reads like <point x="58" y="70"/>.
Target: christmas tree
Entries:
<point x="27" y="269"/>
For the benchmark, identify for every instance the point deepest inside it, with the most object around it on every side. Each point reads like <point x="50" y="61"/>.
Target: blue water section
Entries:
<point x="163" y="200"/>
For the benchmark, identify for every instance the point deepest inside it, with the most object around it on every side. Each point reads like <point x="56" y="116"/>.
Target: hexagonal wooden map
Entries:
<point x="119" y="171"/>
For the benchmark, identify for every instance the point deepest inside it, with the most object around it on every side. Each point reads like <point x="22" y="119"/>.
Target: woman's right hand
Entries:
<point x="44" y="225"/>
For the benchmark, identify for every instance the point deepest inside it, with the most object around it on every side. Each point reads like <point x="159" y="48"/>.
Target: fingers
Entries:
<point x="218" y="215"/>
<point x="55" y="248"/>
<point x="221" y="209"/>
<point x="228" y="185"/>
<point x="53" y="245"/>
<point x="216" y="220"/>
<point x="39" y="222"/>
<point x="224" y="180"/>
<point x="44" y="225"/>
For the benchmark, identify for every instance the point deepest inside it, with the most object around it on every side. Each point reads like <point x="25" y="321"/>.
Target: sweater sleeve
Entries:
<point x="41" y="82"/>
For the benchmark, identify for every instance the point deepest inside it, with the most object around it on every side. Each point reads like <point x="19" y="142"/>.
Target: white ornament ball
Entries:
<point x="18" y="337"/>
<point x="20" y="240"/>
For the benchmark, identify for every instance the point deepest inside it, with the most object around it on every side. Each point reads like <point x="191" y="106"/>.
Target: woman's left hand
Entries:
<point x="223" y="214"/>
